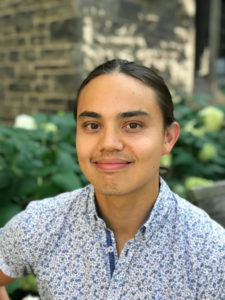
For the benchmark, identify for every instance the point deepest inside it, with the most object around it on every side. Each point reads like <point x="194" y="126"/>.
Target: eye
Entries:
<point x="91" y="126"/>
<point x="133" y="125"/>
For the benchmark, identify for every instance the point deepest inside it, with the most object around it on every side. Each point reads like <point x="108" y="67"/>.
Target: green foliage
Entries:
<point x="28" y="283"/>
<point x="199" y="154"/>
<point x="38" y="163"/>
<point x="42" y="162"/>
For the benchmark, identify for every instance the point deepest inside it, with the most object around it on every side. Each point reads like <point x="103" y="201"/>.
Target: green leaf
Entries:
<point x="4" y="130"/>
<point x="47" y="189"/>
<point x="65" y="161"/>
<point x="13" y="286"/>
<point x="26" y="186"/>
<point x="2" y="164"/>
<point x="67" y="147"/>
<point x="67" y="181"/>
<point x="184" y="158"/>
<point x="8" y="210"/>
<point x="40" y="118"/>
<point x="28" y="283"/>
<point x="5" y="179"/>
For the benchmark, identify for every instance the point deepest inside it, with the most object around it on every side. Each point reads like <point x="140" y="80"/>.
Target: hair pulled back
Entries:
<point x="147" y="75"/>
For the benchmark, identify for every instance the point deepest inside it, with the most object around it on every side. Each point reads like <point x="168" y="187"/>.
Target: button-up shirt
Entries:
<point x="178" y="253"/>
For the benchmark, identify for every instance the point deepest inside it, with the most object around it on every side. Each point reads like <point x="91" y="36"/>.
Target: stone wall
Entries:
<point x="47" y="47"/>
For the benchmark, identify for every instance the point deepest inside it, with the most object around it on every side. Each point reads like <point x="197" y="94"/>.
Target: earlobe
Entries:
<point x="171" y="136"/>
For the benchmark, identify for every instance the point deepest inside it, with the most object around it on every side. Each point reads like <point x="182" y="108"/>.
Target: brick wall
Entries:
<point x="47" y="47"/>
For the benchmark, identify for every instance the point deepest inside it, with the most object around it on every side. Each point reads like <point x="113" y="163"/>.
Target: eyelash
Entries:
<point x="85" y="125"/>
<point x="139" y="125"/>
<point x="125" y="126"/>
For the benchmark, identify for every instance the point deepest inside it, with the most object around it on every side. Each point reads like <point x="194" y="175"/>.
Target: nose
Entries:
<point x="110" y="140"/>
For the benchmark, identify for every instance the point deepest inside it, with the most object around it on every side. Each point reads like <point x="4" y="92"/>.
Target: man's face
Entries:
<point x="120" y="135"/>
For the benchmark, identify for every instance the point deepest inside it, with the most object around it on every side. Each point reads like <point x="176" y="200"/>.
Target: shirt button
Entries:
<point x="109" y="249"/>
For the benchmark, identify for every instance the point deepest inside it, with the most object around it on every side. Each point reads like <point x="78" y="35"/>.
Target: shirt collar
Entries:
<point x="160" y="209"/>
<point x="155" y="218"/>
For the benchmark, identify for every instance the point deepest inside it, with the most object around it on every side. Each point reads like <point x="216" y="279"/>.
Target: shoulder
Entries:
<point x="61" y="204"/>
<point x="201" y="233"/>
<point x="40" y="225"/>
<point x="49" y="214"/>
<point x="202" y="242"/>
<point x="195" y="218"/>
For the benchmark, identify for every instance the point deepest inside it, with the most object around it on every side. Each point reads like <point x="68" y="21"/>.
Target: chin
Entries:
<point x="112" y="190"/>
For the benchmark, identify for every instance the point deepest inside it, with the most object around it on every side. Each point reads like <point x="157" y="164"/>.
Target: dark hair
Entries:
<point x="140" y="72"/>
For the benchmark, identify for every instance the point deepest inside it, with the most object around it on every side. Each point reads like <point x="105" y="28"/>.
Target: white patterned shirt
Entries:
<point x="178" y="253"/>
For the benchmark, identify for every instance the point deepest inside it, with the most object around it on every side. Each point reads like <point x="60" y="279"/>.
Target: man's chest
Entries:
<point x="81" y="268"/>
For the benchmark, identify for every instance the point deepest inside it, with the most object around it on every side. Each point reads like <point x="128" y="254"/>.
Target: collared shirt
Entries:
<point x="178" y="253"/>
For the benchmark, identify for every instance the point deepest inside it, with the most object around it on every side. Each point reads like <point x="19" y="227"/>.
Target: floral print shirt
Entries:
<point x="178" y="253"/>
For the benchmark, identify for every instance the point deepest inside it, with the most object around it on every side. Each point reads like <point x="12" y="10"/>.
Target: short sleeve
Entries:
<point x="28" y="236"/>
<point x="13" y="247"/>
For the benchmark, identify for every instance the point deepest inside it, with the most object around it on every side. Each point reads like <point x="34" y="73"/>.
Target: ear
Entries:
<point x="171" y="136"/>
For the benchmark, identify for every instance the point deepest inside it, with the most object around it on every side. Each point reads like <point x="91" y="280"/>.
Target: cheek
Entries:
<point x="85" y="148"/>
<point x="80" y="147"/>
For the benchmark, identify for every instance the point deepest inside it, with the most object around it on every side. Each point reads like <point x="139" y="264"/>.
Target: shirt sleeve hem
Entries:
<point x="7" y="271"/>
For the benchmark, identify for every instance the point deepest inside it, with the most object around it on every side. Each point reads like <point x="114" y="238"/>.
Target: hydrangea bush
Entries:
<point x="199" y="155"/>
<point x="37" y="160"/>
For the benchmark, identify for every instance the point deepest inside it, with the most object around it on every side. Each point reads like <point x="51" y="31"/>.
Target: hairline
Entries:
<point x="118" y="70"/>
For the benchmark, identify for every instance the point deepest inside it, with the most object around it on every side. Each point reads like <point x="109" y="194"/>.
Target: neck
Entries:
<point x="124" y="214"/>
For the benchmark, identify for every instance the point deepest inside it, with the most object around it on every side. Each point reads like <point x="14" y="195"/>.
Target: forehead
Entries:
<point x="116" y="92"/>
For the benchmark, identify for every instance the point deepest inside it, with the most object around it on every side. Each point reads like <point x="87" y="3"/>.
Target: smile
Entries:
<point x="112" y="165"/>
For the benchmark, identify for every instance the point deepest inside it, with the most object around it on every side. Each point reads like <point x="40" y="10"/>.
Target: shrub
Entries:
<point x="40" y="161"/>
<point x="200" y="150"/>
<point x="37" y="163"/>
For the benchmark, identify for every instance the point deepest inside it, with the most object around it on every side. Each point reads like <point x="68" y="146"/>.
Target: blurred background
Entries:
<point x="48" y="46"/>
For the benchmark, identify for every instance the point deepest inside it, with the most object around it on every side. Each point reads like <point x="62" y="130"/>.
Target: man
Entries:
<point x="125" y="236"/>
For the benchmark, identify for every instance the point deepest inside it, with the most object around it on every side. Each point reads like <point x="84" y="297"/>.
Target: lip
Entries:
<point x="111" y="164"/>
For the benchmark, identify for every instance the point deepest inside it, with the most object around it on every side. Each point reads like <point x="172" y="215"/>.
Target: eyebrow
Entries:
<point x="133" y="113"/>
<point x="90" y="114"/>
<point x="123" y="115"/>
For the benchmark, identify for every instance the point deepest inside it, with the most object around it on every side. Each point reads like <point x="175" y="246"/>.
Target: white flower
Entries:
<point x="29" y="297"/>
<point x="25" y="121"/>
<point x="207" y="152"/>
<point x="190" y="127"/>
<point x="50" y="127"/>
<point x="213" y="118"/>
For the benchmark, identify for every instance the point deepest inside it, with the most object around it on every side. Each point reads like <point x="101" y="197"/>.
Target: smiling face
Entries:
<point x="120" y="135"/>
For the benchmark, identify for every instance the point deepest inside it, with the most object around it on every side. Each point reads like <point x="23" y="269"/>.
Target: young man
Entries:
<point x="125" y="236"/>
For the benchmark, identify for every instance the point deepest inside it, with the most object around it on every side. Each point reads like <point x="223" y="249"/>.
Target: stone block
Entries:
<point x="70" y="29"/>
<point x="53" y="54"/>
<point x="68" y="83"/>
<point x="14" y="42"/>
<point x="14" y="55"/>
<point x="129" y="9"/>
<point x="56" y="101"/>
<point x="29" y="55"/>
<point x="26" y="76"/>
<point x="23" y="21"/>
<point x="39" y="40"/>
<point x="34" y="100"/>
<point x="48" y="111"/>
<point x="41" y="87"/>
<point x="6" y="71"/>
<point x="2" y="56"/>
<point x="5" y="20"/>
<point x="19" y="87"/>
